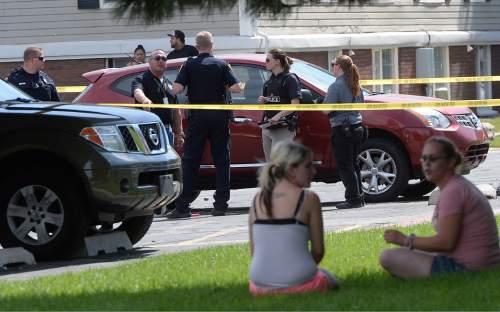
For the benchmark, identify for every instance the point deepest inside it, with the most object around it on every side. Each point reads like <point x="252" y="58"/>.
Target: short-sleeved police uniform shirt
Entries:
<point x="40" y="86"/>
<point x="156" y="91"/>
<point x="281" y="89"/>
<point x="186" y="51"/>
<point x="206" y="78"/>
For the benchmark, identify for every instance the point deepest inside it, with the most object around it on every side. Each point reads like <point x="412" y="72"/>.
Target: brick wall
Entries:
<point x="407" y="69"/>
<point x="316" y="58"/>
<point x="64" y="72"/>
<point x="462" y="63"/>
<point x="495" y="71"/>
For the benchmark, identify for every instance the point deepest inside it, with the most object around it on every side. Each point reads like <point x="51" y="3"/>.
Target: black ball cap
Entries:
<point x="178" y="34"/>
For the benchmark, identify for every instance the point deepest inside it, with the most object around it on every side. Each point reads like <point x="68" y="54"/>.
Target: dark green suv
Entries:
<point x="67" y="171"/>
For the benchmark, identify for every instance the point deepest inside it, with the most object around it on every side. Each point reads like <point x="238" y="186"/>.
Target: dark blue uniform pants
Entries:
<point x="345" y="150"/>
<point x="214" y="126"/>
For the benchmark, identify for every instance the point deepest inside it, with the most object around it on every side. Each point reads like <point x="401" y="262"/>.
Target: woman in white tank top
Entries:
<point x="282" y="220"/>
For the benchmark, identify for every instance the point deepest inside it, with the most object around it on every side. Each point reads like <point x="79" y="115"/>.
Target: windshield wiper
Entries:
<point x="22" y="100"/>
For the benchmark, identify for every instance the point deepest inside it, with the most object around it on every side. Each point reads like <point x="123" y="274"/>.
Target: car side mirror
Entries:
<point x="319" y="100"/>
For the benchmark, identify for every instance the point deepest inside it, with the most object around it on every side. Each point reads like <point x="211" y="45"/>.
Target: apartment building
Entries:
<point x="381" y="35"/>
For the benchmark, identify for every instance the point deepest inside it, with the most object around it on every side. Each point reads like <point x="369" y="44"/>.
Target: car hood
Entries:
<point x="72" y="116"/>
<point x="406" y="98"/>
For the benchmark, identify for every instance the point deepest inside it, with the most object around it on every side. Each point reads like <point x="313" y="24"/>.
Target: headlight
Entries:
<point x="106" y="137"/>
<point x="432" y="118"/>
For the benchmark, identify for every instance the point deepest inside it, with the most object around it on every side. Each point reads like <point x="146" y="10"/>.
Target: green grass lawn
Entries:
<point x="216" y="279"/>
<point x="496" y="123"/>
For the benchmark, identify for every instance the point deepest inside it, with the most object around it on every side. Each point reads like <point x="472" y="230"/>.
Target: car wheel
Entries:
<point x="43" y="211"/>
<point x="384" y="170"/>
<point x="136" y="227"/>
<point x="419" y="189"/>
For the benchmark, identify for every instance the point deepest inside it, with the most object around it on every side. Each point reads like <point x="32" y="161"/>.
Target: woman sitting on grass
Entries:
<point x="283" y="219"/>
<point x="467" y="236"/>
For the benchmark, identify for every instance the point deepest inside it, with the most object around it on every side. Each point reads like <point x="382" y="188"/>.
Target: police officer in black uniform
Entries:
<point x="282" y="87"/>
<point x="30" y="79"/>
<point x="206" y="78"/>
<point x="152" y="88"/>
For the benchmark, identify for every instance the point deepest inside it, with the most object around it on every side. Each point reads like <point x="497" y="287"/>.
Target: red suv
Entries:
<point x="389" y="159"/>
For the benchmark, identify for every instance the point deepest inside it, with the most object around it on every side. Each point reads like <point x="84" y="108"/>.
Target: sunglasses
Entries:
<point x="431" y="158"/>
<point x="333" y="64"/>
<point x="162" y="58"/>
<point x="268" y="60"/>
<point x="40" y="58"/>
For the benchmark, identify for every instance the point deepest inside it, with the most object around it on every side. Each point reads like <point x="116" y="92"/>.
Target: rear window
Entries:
<point x="124" y="84"/>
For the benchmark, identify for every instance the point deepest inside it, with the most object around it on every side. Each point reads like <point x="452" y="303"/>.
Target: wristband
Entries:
<point x="409" y="241"/>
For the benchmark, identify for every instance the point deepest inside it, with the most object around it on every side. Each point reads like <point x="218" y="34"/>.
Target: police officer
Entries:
<point x="347" y="130"/>
<point x="206" y="78"/>
<point x="30" y="79"/>
<point x="151" y="88"/>
<point x="282" y="87"/>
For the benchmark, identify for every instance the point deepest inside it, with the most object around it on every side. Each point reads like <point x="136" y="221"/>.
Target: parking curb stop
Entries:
<point x="16" y="255"/>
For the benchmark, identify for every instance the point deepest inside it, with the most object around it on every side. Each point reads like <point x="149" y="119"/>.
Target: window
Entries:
<point x="253" y="78"/>
<point x="107" y="4"/>
<point x="441" y="69"/>
<point x="385" y="66"/>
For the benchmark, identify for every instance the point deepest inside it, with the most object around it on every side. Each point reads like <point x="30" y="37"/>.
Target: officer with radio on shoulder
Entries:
<point x="206" y="78"/>
<point x="347" y="129"/>
<point x="282" y="87"/>
<point x="31" y="79"/>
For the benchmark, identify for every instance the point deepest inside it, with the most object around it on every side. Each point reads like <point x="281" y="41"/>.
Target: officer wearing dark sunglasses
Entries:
<point x="152" y="88"/>
<point x="206" y="79"/>
<point x="30" y="79"/>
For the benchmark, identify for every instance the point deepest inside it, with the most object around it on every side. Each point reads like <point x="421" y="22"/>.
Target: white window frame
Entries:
<point x="431" y="2"/>
<point x="395" y="68"/>
<point x="332" y="54"/>
<point x="446" y="71"/>
<point x="483" y="84"/>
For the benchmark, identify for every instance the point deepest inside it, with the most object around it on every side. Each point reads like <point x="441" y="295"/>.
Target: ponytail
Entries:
<point x="280" y="55"/>
<point x="352" y="73"/>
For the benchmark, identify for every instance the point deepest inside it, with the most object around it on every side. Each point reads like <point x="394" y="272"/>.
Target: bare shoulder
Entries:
<point x="311" y="200"/>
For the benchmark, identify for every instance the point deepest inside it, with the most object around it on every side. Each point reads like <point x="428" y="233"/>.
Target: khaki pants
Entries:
<point x="272" y="136"/>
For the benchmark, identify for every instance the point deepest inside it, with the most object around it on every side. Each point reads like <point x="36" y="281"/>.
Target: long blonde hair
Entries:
<point x="284" y="155"/>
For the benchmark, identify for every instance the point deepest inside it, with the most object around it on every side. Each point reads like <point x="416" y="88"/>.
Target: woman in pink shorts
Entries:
<point x="283" y="218"/>
<point x="466" y="236"/>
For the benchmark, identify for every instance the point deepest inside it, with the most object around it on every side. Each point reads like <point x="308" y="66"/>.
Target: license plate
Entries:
<point x="166" y="185"/>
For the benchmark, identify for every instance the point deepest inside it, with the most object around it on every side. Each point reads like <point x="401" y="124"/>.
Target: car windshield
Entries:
<point x="11" y="93"/>
<point x="315" y="75"/>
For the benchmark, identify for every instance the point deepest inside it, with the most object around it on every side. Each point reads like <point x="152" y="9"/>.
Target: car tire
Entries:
<point x="43" y="211"/>
<point x="419" y="189"/>
<point x="384" y="169"/>
<point x="136" y="227"/>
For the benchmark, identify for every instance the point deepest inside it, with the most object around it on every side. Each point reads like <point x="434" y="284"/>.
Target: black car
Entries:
<point x="70" y="170"/>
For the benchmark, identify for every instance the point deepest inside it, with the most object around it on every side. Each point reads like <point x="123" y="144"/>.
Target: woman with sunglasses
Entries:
<point x="347" y="130"/>
<point x="282" y="87"/>
<point x="466" y="236"/>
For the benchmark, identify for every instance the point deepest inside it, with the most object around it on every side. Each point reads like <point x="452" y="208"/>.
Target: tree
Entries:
<point x="154" y="11"/>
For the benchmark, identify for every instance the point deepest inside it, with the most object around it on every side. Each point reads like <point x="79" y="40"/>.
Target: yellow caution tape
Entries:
<point x="428" y="80"/>
<point x="319" y="107"/>
<point x="371" y="82"/>
<point x="70" y="89"/>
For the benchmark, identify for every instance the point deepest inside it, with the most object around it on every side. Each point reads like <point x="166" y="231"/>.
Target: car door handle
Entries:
<point x="242" y="120"/>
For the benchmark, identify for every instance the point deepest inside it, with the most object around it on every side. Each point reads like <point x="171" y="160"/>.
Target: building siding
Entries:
<point x="24" y="22"/>
<point x="402" y="15"/>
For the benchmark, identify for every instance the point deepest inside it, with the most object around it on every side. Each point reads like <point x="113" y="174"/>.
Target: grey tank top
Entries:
<point x="281" y="255"/>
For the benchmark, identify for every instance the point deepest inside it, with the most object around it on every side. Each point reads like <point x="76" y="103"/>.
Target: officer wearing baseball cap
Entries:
<point x="180" y="48"/>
